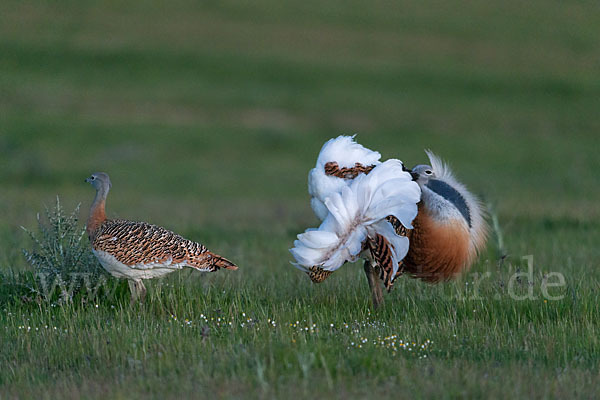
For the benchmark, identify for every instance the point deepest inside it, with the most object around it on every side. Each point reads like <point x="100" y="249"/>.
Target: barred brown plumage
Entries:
<point x="382" y="255"/>
<point x="398" y="227"/>
<point x="139" y="243"/>
<point x="333" y="169"/>
<point x="317" y="274"/>
<point x="138" y="250"/>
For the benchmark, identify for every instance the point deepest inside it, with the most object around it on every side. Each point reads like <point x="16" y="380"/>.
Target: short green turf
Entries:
<point x="208" y="117"/>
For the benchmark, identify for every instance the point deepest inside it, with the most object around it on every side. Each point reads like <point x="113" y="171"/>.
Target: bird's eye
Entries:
<point x="428" y="172"/>
<point x="92" y="177"/>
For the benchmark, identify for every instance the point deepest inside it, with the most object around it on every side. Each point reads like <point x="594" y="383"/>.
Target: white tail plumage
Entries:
<point x="357" y="212"/>
<point x="346" y="153"/>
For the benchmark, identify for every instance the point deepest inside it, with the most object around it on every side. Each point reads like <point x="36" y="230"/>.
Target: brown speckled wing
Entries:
<point x="137" y="244"/>
<point x="398" y="227"/>
<point x="382" y="254"/>
<point x="318" y="274"/>
<point x="333" y="169"/>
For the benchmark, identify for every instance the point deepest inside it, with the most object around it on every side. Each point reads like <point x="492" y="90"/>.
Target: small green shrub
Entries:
<point x="62" y="261"/>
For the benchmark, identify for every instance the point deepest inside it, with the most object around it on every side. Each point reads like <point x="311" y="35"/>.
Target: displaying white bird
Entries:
<point x="137" y="250"/>
<point x="357" y="220"/>
<point x="340" y="160"/>
<point x="420" y="221"/>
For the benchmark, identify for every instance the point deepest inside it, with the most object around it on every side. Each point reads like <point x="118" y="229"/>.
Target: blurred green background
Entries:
<point x="208" y="116"/>
<point x="213" y="112"/>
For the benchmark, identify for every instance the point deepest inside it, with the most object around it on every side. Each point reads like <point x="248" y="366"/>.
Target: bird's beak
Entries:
<point x="414" y="175"/>
<point x="87" y="180"/>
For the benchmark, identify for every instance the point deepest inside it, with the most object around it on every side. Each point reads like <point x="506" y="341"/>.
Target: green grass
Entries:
<point x="208" y="118"/>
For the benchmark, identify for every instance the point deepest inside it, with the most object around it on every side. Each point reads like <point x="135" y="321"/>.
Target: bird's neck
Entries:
<point x="437" y="207"/>
<point x="97" y="213"/>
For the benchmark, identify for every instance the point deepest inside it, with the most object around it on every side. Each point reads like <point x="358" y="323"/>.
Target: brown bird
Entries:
<point x="434" y="236"/>
<point x="137" y="250"/>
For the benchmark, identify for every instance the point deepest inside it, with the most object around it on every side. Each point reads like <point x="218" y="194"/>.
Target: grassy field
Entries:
<point x="209" y="116"/>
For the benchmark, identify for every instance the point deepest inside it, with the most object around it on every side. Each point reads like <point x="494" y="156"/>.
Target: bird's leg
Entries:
<point x="142" y="291"/>
<point x="132" y="290"/>
<point x="138" y="291"/>
<point x="371" y="270"/>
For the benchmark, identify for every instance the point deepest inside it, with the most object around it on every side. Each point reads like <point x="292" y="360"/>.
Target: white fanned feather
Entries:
<point x="346" y="153"/>
<point x="358" y="211"/>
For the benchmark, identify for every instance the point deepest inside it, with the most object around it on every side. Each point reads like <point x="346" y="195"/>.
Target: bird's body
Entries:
<point x="449" y="230"/>
<point x="438" y="250"/>
<point x="138" y="250"/>
<point x="444" y="233"/>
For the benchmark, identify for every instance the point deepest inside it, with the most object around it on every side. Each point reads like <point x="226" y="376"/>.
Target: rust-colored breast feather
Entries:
<point x="139" y="244"/>
<point x="437" y="251"/>
<point x="333" y="169"/>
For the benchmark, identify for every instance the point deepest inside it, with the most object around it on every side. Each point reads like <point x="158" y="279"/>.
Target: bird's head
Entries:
<point x="100" y="181"/>
<point x="422" y="174"/>
<point x="446" y="197"/>
<point x="440" y="191"/>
